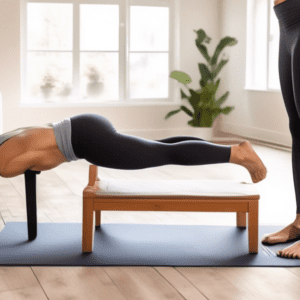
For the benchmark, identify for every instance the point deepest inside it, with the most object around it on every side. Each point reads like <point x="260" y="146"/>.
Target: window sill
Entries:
<point x="103" y="104"/>
<point x="262" y="90"/>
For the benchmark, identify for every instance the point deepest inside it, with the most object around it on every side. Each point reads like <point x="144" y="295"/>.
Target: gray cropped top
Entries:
<point x="62" y="132"/>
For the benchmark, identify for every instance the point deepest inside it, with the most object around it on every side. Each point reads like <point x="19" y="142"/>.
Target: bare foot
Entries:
<point x="292" y="251"/>
<point x="251" y="161"/>
<point x="288" y="233"/>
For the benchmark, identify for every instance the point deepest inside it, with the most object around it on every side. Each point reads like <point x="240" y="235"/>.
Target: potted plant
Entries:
<point x="203" y="101"/>
<point x="48" y="85"/>
<point x="94" y="87"/>
<point x="65" y="91"/>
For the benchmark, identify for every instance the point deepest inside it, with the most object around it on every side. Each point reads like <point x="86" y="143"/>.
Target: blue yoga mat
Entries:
<point x="60" y="244"/>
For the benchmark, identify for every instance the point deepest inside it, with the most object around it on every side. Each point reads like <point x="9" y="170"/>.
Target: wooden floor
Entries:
<point x="59" y="199"/>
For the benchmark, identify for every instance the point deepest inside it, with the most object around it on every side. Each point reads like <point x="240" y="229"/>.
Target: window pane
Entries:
<point x="149" y="75"/>
<point x="149" y="28"/>
<point x="259" y="62"/>
<point x="99" y="76"/>
<point x="49" y="76"/>
<point x="273" y="51"/>
<point x="99" y="27"/>
<point x="49" y="26"/>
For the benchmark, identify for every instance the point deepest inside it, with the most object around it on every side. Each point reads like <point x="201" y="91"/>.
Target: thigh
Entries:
<point x="286" y="80"/>
<point x="127" y="152"/>
<point x="296" y="71"/>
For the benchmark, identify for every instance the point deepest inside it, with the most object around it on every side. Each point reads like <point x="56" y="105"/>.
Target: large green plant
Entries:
<point x="203" y="101"/>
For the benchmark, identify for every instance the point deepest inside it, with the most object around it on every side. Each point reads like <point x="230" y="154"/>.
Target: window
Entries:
<point x="98" y="51"/>
<point x="262" y="46"/>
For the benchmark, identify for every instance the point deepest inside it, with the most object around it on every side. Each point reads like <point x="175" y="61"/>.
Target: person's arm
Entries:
<point x="18" y="165"/>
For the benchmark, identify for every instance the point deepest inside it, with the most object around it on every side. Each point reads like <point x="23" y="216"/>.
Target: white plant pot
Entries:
<point x="205" y="133"/>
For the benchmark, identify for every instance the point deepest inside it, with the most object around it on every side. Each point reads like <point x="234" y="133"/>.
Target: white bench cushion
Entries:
<point x="176" y="187"/>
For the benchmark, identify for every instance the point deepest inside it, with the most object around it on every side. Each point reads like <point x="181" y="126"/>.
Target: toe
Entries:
<point x="283" y="253"/>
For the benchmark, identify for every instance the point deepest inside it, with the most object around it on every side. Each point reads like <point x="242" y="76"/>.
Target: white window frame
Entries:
<point x="253" y="69"/>
<point x="124" y="5"/>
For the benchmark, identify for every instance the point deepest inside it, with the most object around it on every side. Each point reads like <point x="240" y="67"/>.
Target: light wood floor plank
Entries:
<point x="12" y="278"/>
<point x="60" y="283"/>
<point x="264" y="283"/>
<point x="211" y="284"/>
<point x="32" y="293"/>
<point x="181" y="283"/>
<point x="142" y="283"/>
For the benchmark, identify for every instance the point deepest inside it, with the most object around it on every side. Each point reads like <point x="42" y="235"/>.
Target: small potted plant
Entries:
<point x="66" y="90"/>
<point x="94" y="87"/>
<point x="48" y="85"/>
<point x="203" y="101"/>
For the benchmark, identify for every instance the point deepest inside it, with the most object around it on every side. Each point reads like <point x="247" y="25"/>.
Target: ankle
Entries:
<point x="297" y="220"/>
<point x="236" y="157"/>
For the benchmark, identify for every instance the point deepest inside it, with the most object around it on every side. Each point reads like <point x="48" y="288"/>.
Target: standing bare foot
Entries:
<point x="288" y="233"/>
<point x="250" y="160"/>
<point x="292" y="251"/>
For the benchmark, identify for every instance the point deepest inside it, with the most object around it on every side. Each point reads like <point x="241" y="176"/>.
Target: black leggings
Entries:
<point x="288" y="14"/>
<point x="96" y="140"/>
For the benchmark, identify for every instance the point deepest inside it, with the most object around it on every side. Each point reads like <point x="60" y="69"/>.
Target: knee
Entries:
<point x="294" y="125"/>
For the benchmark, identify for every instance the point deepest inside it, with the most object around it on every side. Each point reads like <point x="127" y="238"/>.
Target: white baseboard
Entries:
<point x="261" y="136"/>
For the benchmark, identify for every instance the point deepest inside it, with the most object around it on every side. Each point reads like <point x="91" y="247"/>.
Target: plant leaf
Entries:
<point x="191" y="123"/>
<point x="201" y="35"/>
<point x="171" y="113"/>
<point x="207" y="94"/>
<point x="181" y="77"/>
<point x="219" y="68"/>
<point x="194" y="99"/>
<point x="203" y="51"/>
<point x="202" y="84"/>
<point x="222" y="99"/>
<point x="227" y="110"/>
<point x="205" y="73"/>
<point x="183" y="95"/>
<point x="217" y="84"/>
<point x="216" y="112"/>
<point x="186" y="110"/>
<point x="226" y="41"/>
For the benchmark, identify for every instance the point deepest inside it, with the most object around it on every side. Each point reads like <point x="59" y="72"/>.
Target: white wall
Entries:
<point x="258" y="115"/>
<point x="147" y="121"/>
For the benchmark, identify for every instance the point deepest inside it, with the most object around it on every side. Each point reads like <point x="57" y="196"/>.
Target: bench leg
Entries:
<point x="98" y="217"/>
<point x="241" y="219"/>
<point x="88" y="225"/>
<point x="253" y="226"/>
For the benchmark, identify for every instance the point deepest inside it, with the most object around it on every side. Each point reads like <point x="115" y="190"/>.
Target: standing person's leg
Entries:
<point x="289" y="82"/>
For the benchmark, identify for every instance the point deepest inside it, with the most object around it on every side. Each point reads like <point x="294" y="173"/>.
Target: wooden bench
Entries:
<point x="168" y="195"/>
